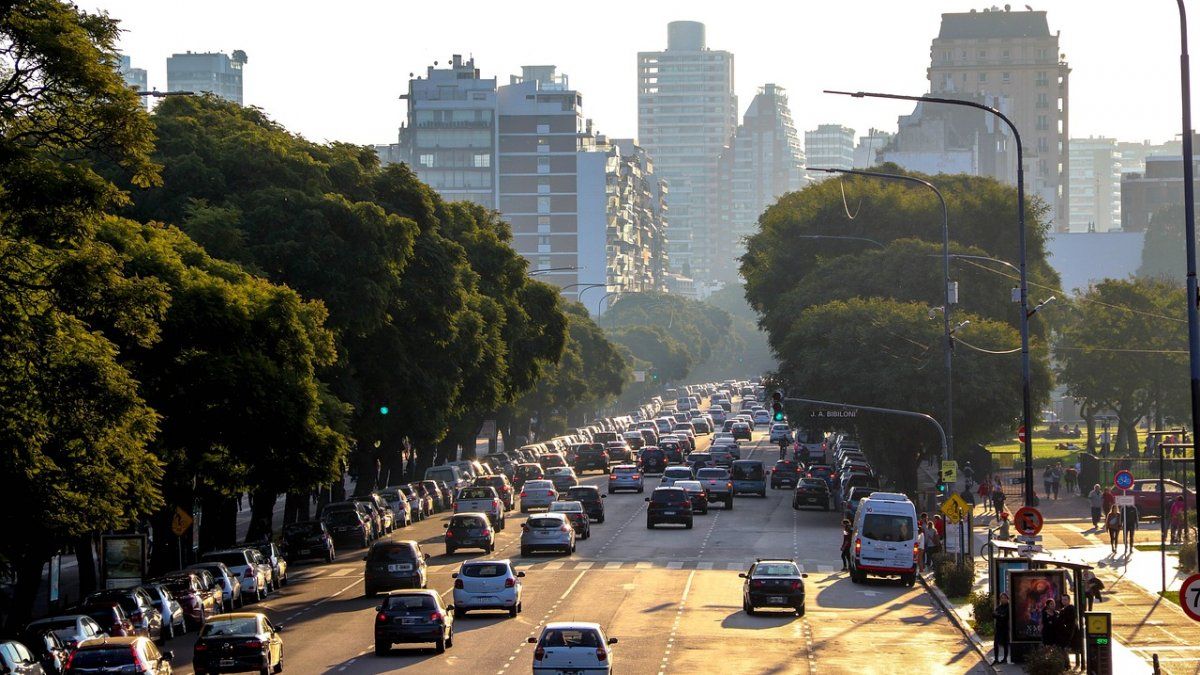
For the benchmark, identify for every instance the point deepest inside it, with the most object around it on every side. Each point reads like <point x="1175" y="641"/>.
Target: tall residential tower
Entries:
<point x="209" y="72"/>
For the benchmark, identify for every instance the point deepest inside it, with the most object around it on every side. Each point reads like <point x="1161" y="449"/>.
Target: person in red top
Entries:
<point x="939" y="524"/>
<point x="985" y="493"/>
<point x="1109" y="500"/>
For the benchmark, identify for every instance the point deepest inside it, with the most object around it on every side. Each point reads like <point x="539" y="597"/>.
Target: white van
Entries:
<point x="885" y="538"/>
<point x="452" y="475"/>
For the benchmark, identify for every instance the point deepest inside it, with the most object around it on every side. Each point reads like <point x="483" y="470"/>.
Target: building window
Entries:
<point x="543" y="128"/>
<point x="1043" y="145"/>
<point x="425" y="160"/>
<point x="543" y="262"/>
<point x="1006" y="77"/>
<point x="1042" y="100"/>
<point x="1042" y="123"/>
<point x="544" y="240"/>
<point x="482" y="161"/>
<point x="1004" y="54"/>
<point x="543" y="221"/>
<point x="543" y="204"/>
<point x="1042" y="55"/>
<point x="946" y="55"/>
<point x="543" y="165"/>
<point x="983" y="77"/>
<point x="982" y="54"/>
<point x="1042" y="80"/>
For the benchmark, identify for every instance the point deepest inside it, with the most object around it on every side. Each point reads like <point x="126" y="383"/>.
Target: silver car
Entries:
<point x="224" y="577"/>
<point x="172" y="613"/>
<point x="547" y="531"/>
<point x="487" y="584"/>
<point x="625" y="477"/>
<point x="675" y="473"/>
<point x="538" y="494"/>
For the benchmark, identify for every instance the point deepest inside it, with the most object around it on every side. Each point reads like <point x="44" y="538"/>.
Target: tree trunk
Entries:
<point x="86" y="558"/>
<point x="368" y="470"/>
<point x="295" y="507"/>
<point x="262" y="515"/>
<point x="218" y="527"/>
<point x="29" y="579"/>
<point x="1090" y="418"/>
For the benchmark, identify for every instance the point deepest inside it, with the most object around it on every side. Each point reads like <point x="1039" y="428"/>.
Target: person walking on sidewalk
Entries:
<point x="1056" y="474"/>
<point x="1068" y="631"/>
<point x="998" y="498"/>
<point x="1091" y="589"/>
<point x="933" y="543"/>
<point x="847" y="534"/>
<point x="1000" y="636"/>
<point x="1070" y="477"/>
<point x="1050" y="624"/>
<point x="1048" y="480"/>
<point x="1131" y="526"/>
<point x="985" y="493"/>
<point x="1178" y="519"/>
<point x="1112" y="523"/>
<point x="1096" y="499"/>
<point x="1109" y="499"/>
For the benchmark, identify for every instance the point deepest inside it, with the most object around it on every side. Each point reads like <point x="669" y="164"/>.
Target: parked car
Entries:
<point x="228" y="584"/>
<point x="470" y="530"/>
<point x="275" y="558"/>
<point x="625" y="477"/>
<point x="48" y="651"/>
<point x="572" y="647"/>
<point x="395" y="564"/>
<point x="112" y="619"/>
<point x="773" y="583"/>
<point x="1150" y="504"/>
<point x="576" y="515"/>
<point x="170" y="609"/>
<point x="254" y="576"/>
<point x="70" y="629"/>
<point x="413" y="617"/>
<point x="245" y="641"/>
<point x="487" y="584"/>
<point x="380" y="506"/>
<point x="139" y="609"/>
<point x="198" y="602"/>
<point x="132" y="655"/>
<point x="547" y="531"/>
<point x="590" y="497"/>
<point x="421" y="505"/>
<point x="398" y="501"/>
<point x="348" y="526"/>
<point x="308" y="539"/>
<point x="17" y="658"/>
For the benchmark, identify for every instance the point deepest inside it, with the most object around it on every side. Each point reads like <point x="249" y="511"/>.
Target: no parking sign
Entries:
<point x="1123" y="479"/>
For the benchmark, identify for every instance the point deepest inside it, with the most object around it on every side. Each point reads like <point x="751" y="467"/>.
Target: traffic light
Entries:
<point x="941" y="488"/>
<point x="383" y="410"/>
<point x="777" y="406"/>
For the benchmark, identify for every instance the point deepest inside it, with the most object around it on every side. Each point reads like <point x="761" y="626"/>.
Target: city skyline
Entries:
<point x="369" y="62"/>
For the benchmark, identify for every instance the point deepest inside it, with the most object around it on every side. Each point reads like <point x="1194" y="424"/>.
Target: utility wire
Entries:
<point x="958" y="340"/>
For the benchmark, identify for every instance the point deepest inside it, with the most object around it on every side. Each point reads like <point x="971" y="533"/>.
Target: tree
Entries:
<point x="746" y="350"/>
<point x="1163" y="251"/>
<point x="75" y="425"/>
<point x="1123" y="347"/>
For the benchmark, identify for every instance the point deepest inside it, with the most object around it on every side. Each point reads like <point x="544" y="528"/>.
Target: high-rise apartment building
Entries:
<point x="210" y="72"/>
<point x="1095" y="183"/>
<point x="938" y="138"/>
<point x="1160" y="186"/>
<point x="450" y="135"/>
<point x="829" y="146"/>
<point x="763" y="162"/>
<point x="1013" y="55"/>
<point x="687" y="112"/>
<point x="866" y="153"/>
<point x="589" y="209"/>
<point x="135" y="77"/>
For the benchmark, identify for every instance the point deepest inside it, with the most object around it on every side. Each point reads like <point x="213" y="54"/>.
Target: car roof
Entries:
<point x="559" y="515"/>
<point x="416" y="591"/>
<point x="101" y="642"/>
<point x="683" y="484"/>
<point x="561" y="625"/>
<point x="566" y="505"/>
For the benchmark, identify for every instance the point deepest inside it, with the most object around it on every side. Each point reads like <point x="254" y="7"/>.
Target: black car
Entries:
<point x="591" y="456"/>
<point x="785" y="474"/>
<point x="469" y="530"/>
<point x="241" y="642"/>
<point x="138" y="607"/>
<point x="308" y="539"/>
<point x="673" y="450"/>
<point x="47" y="648"/>
<point x="811" y="492"/>
<point x="697" y="494"/>
<point x="590" y="497"/>
<point x="773" y="583"/>
<point x="669" y="505"/>
<point x="348" y="525"/>
<point x="413" y="616"/>
<point x="652" y="459"/>
<point x="394" y="564"/>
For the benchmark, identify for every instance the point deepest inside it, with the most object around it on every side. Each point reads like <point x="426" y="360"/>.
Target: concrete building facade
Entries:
<point x="1095" y="185"/>
<point x="953" y="139"/>
<point x="208" y="72"/>
<point x="1013" y="55"/>
<point x="136" y="78"/>
<point x="1160" y="186"/>
<point x="866" y="153"/>
<point x="763" y="162"/>
<point x="829" y="146"/>
<point x="687" y="113"/>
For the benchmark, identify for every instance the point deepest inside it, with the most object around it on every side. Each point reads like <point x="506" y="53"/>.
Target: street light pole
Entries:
<point x="600" y="303"/>
<point x="948" y="346"/>
<point x="1026" y="395"/>
<point x="1189" y="225"/>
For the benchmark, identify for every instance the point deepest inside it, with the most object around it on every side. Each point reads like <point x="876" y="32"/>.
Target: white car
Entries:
<point x="572" y="647"/>
<point x="537" y="494"/>
<point x="675" y="473"/>
<point x="761" y="417"/>
<point x="487" y="584"/>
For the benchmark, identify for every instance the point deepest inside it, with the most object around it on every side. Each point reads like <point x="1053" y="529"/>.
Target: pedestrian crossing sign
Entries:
<point x="955" y="508"/>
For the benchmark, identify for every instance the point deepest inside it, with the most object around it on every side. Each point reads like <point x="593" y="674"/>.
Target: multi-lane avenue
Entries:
<point x="671" y="596"/>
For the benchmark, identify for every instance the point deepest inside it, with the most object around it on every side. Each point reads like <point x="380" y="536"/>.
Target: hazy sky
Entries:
<point x="334" y="70"/>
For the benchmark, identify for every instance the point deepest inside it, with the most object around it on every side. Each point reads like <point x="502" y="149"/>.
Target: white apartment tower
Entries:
<point x="687" y="113"/>
<point x="829" y="146"/>
<point x="1095" y="184"/>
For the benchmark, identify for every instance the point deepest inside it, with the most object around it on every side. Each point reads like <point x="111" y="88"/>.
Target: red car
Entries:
<point x="1147" y="499"/>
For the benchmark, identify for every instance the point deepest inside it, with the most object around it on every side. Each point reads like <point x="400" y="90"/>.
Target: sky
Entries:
<point x="334" y="71"/>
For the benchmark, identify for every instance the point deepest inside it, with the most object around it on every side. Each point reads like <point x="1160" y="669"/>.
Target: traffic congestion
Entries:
<point x="427" y="574"/>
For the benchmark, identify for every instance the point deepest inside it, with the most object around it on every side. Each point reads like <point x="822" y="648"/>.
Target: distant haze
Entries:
<point x="333" y="71"/>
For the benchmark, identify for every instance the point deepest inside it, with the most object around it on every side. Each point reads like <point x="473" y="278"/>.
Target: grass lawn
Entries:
<point x="1044" y="450"/>
<point x="1173" y="596"/>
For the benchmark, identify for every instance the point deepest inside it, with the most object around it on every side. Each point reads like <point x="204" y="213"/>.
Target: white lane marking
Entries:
<point x="644" y="566"/>
<point x="571" y="587"/>
<point x="544" y="620"/>
<point x="343" y="573"/>
<point x="674" y="565"/>
<point x="584" y="565"/>
<point x="687" y="588"/>
<point x="612" y="566"/>
<point x="556" y="565"/>
<point x="322" y="601"/>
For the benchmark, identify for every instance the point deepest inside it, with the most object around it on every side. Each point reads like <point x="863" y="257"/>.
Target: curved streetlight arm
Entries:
<point x="579" y="295"/>
<point x="570" y="286"/>
<point x="600" y="303"/>
<point x="548" y="270"/>
<point x="887" y="411"/>
<point x="838" y="236"/>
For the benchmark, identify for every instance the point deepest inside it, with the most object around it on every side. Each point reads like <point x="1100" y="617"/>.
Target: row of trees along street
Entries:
<point x="198" y="303"/>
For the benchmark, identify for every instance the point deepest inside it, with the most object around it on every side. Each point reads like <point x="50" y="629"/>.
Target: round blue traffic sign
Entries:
<point x="1123" y="479"/>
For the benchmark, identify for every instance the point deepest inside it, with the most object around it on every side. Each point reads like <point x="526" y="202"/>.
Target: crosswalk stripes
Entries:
<point x="553" y="566"/>
<point x="704" y="566"/>
<point x="344" y="572"/>
<point x="583" y="565"/>
<point x="674" y="565"/>
<point x="613" y="565"/>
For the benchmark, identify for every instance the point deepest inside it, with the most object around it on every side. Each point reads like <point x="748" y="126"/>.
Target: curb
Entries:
<point x="969" y="633"/>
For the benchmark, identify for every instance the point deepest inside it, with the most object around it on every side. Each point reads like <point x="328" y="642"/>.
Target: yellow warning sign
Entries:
<point x="180" y="522"/>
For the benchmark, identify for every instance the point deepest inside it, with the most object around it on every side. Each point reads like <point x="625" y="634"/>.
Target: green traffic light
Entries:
<point x="779" y="416"/>
<point x="383" y="410"/>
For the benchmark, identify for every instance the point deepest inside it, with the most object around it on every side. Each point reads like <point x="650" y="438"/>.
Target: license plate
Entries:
<point x="544" y="533"/>
<point x="305" y="551"/>
<point x="777" y="599"/>
<point x="407" y="621"/>
<point x="668" y="513"/>
<point x="399" y="568"/>
<point x="485" y="599"/>
<point x="225" y="662"/>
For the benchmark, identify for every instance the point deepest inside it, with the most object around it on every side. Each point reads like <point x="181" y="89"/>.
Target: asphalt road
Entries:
<point x="672" y="597"/>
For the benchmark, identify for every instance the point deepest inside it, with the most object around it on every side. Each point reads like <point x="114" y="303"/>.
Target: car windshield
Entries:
<point x="813" y="483"/>
<point x="103" y="657"/>
<point x="476" y="493"/>
<point x="539" y="485"/>
<point x="302" y="529"/>
<point x="484" y="570"/>
<point x="230" y="627"/>
<point x="64" y="629"/>
<point x="544" y="522"/>
<point x="676" y="472"/>
<point x="440" y="474"/>
<point x="887" y="527"/>
<point x="566" y="507"/>
<point x="466" y="521"/>
<point x="571" y="637"/>
<point x="753" y="471"/>
<point x="711" y="473"/>
<point x="340" y="518"/>
<point x="689" y="485"/>
<point x="410" y="602"/>
<point x="776" y="570"/>
<point x="665" y="496"/>
<point x="584" y="494"/>
<point x="392" y="552"/>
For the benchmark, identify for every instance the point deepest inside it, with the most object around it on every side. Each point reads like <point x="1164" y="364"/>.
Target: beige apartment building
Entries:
<point x="1013" y="60"/>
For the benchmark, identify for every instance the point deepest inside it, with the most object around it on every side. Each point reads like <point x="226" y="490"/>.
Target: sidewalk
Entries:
<point x="1144" y="623"/>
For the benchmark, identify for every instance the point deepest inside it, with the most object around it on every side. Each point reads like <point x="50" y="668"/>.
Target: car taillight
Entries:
<point x="458" y="583"/>
<point x="200" y="647"/>
<point x="435" y="617"/>
<point x="634" y="475"/>
<point x="254" y="644"/>
<point x="449" y="534"/>
<point x="795" y="585"/>
<point x="915" y="551"/>
<point x="553" y="493"/>
<point x="612" y="476"/>
<point x="564" y="528"/>
<point x="539" y="654"/>
<point x="601" y="655"/>
<point x="858" y="546"/>
<point x="486" y="533"/>
<point x="522" y="494"/>
<point x="137" y="658"/>
<point x="381" y="618"/>
<point x="495" y="503"/>
<point x="729" y="485"/>
<point x="508" y="583"/>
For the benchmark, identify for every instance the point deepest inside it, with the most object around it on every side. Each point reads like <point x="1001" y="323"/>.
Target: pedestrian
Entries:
<point x="1178" y="519"/>
<point x="1092" y="586"/>
<point x="939" y="524"/>
<point x="1109" y="500"/>
<point x="1112" y="523"/>
<point x="1004" y="526"/>
<point x="847" y="534"/>
<point x="1131" y="526"/>
<point x="968" y="472"/>
<point x="1070" y="474"/>
<point x="998" y="497"/>
<point x="933" y="543"/>
<point x="1056" y="478"/>
<point x="1000" y="635"/>
<point x="1050" y="625"/>
<point x="239" y="501"/>
<point x="921" y="545"/>
<point x="1048" y="480"/>
<point x="1069" y="636"/>
<point x="1096" y="500"/>
<point x="1079" y="473"/>
<point x="985" y="493"/>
